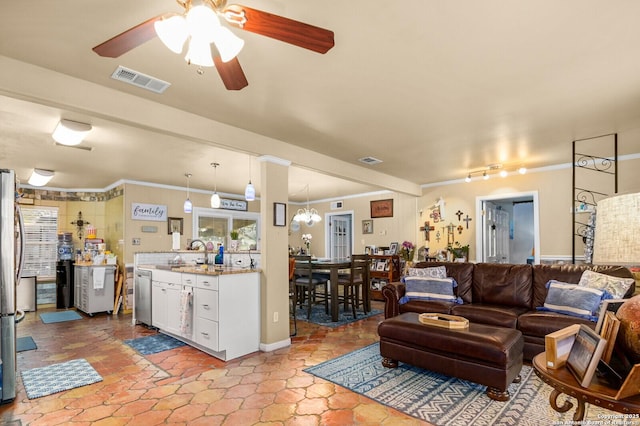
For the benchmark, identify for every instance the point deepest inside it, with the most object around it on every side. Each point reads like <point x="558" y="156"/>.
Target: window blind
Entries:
<point x="41" y="241"/>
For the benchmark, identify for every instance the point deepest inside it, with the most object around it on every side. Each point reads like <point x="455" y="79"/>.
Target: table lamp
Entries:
<point x="617" y="242"/>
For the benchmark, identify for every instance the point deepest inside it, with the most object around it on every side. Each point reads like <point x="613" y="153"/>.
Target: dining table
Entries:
<point x="334" y="266"/>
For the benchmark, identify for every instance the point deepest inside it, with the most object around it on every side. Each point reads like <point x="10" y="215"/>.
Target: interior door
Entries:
<point x="340" y="229"/>
<point x="496" y="232"/>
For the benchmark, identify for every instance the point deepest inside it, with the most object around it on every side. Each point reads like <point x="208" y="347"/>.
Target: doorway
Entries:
<point x="509" y="231"/>
<point x="339" y="235"/>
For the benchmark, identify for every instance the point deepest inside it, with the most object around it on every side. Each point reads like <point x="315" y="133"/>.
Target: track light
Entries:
<point x="70" y="133"/>
<point x="40" y="177"/>
<point x="503" y="173"/>
<point x="522" y="170"/>
<point x="492" y="168"/>
<point x="468" y="178"/>
<point x="485" y="176"/>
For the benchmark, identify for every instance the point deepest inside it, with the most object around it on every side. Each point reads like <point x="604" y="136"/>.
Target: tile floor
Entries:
<point x="184" y="386"/>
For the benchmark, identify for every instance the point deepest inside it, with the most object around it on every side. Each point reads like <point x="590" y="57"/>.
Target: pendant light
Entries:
<point x="215" y="198"/>
<point x="250" y="191"/>
<point x="188" y="205"/>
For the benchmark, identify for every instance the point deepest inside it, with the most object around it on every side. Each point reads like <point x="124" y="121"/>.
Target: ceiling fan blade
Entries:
<point x="280" y="28"/>
<point x="125" y="41"/>
<point x="231" y="73"/>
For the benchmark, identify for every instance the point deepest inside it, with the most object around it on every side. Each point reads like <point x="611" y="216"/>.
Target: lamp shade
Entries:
<point x="215" y="201"/>
<point x="199" y="52"/>
<point x="188" y="206"/>
<point x="250" y="192"/>
<point x="173" y="32"/>
<point x="69" y="132"/>
<point x="617" y="231"/>
<point x="228" y="44"/>
<point x="40" y="177"/>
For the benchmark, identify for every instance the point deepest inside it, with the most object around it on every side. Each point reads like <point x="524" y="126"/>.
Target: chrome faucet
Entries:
<point x="206" y="251"/>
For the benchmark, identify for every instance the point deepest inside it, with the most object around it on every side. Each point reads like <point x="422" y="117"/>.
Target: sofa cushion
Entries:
<point x="502" y="284"/>
<point x="540" y="323"/>
<point x="574" y="300"/>
<point x="434" y="272"/>
<point x="424" y="288"/>
<point x="616" y="287"/>
<point x="461" y="272"/>
<point x="497" y="315"/>
<point x="422" y="306"/>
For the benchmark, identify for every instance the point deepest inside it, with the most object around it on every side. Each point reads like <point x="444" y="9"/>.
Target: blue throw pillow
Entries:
<point x="574" y="300"/>
<point x="421" y="288"/>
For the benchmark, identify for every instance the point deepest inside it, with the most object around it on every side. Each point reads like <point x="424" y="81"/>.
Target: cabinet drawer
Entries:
<point x="165" y="276"/>
<point x="206" y="333"/>
<point x="208" y="282"/>
<point x="206" y="304"/>
<point x="189" y="279"/>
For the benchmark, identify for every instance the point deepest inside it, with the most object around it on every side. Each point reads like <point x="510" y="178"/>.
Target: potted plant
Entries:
<point x="234" y="234"/>
<point x="459" y="251"/>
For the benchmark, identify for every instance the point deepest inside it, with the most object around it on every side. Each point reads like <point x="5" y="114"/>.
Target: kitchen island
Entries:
<point x="214" y="310"/>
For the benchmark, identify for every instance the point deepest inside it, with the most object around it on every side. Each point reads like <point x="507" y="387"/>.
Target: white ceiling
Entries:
<point x="433" y="88"/>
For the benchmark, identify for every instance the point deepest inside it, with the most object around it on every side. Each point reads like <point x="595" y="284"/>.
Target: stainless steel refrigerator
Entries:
<point x="11" y="256"/>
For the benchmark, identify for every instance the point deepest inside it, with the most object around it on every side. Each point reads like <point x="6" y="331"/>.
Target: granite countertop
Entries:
<point x="76" y="264"/>
<point x="201" y="269"/>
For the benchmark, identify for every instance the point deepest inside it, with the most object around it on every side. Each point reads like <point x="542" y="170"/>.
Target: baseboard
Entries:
<point x="270" y="347"/>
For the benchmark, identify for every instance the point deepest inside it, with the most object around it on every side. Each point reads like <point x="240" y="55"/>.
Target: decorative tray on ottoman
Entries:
<point x="444" y="320"/>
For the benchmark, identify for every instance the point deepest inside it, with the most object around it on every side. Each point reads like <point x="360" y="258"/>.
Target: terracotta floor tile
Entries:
<point x="185" y="386"/>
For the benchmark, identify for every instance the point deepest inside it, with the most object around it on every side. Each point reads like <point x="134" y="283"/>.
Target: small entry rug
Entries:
<point x="43" y="381"/>
<point x="25" y="344"/>
<point x="62" y="316"/>
<point x="444" y="400"/>
<point x="318" y="315"/>
<point x="153" y="344"/>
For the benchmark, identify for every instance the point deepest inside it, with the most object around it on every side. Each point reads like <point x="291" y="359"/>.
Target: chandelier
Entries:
<point x="307" y="215"/>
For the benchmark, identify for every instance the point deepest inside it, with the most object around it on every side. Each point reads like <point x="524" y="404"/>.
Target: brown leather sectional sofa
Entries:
<point x="504" y="295"/>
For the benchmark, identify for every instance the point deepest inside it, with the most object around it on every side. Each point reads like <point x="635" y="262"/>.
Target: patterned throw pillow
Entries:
<point x="616" y="287"/>
<point x="574" y="300"/>
<point x="419" y="288"/>
<point x="435" y="272"/>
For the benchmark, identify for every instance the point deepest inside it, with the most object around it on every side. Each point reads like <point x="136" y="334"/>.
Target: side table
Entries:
<point x="563" y="382"/>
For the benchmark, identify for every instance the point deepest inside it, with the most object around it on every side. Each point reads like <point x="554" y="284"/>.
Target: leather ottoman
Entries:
<point x="484" y="354"/>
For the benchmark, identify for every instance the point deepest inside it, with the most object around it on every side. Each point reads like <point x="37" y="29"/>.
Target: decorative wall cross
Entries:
<point x="435" y="215"/>
<point x="427" y="228"/>
<point x="459" y="214"/>
<point x="459" y="228"/>
<point x="450" y="233"/>
<point x="438" y="236"/>
<point x="467" y="219"/>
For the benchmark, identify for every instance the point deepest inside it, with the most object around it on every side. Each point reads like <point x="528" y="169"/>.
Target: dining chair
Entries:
<point x="308" y="282"/>
<point x="354" y="283"/>
<point x="293" y="294"/>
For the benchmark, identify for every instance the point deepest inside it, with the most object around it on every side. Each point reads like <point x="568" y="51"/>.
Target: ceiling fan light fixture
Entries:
<point x="173" y="32"/>
<point x="203" y="23"/>
<point x="199" y="53"/>
<point x="228" y="44"/>
<point x="40" y="177"/>
<point x="70" y="133"/>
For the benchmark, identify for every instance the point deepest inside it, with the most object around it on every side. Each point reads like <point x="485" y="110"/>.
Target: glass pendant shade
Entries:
<point x="203" y="23"/>
<point x="215" y="201"/>
<point x="199" y="52"/>
<point x="188" y="206"/>
<point x="228" y="44"/>
<point x="173" y="32"/>
<point x="250" y="192"/>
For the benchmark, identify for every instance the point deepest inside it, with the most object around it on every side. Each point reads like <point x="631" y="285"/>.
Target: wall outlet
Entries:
<point x="275" y="317"/>
<point x="135" y="242"/>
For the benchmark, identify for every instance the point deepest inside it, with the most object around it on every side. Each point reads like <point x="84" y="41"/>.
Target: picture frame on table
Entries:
<point x="380" y="265"/>
<point x="174" y="224"/>
<point x="609" y="332"/>
<point x="393" y="249"/>
<point x="585" y="355"/>
<point x="367" y="226"/>
<point x="610" y="305"/>
<point x="381" y="208"/>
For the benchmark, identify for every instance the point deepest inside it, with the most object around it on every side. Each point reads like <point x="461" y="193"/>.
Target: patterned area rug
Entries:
<point x="55" y="378"/>
<point x="62" y="316"/>
<point x="153" y="344"/>
<point x="444" y="400"/>
<point x="318" y="315"/>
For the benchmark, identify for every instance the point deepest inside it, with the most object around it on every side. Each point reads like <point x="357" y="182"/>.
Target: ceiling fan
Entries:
<point x="199" y="25"/>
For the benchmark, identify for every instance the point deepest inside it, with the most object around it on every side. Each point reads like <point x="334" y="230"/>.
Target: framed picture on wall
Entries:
<point x="367" y="226"/>
<point x="382" y="208"/>
<point x="279" y="214"/>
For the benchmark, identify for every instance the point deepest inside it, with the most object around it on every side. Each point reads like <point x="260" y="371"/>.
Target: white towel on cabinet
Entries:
<point x="98" y="278"/>
<point x="186" y="309"/>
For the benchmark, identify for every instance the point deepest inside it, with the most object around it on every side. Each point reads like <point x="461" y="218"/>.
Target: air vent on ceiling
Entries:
<point x="136" y="78"/>
<point x="369" y="160"/>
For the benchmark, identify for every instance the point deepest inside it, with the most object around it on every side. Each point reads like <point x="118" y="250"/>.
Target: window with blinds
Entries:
<point x="41" y="240"/>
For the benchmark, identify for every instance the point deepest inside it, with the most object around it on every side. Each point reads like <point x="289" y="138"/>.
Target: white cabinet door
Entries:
<point x="173" y="308"/>
<point x="206" y="333"/>
<point x="159" y="305"/>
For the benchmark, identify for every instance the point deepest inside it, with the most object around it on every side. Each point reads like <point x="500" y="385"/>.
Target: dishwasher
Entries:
<point x="142" y="297"/>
